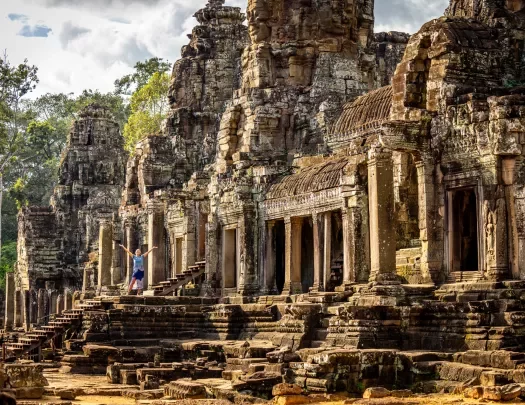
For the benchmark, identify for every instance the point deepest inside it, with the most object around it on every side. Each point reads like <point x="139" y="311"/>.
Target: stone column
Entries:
<point x="60" y="304"/>
<point x="247" y="255"/>
<point x="156" y="259"/>
<point x="327" y="249"/>
<point x="496" y="240"/>
<point x="318" y="224"/>
<point x="292" y="282"/>
<point x="268" y="246"/>
<point x="42" y="294"/>
<point x="33" y="307"/>
<point x="105" y="252"/>
<point x="53" y="302"/>
<point x="9" y="301"/>
<point x="131" y="246"/>
<point x="19" y="309"/>
<point x="508" y="169"/>
<point x="68" y="300"/>
<point x="381" y="210"/>
<point x="430" y="225"/>
<point x="116" y="273"/>
<point x="356" y="238"/>
<point x="26" y="296"/>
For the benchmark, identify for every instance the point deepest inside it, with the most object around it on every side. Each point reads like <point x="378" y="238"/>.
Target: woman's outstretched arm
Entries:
<point x="149" y="251"/>
<point x="127" y="251"/>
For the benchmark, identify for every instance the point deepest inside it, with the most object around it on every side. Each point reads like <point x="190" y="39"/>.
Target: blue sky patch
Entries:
<point x="18" y="17"/>
<point x="40" y="31"/>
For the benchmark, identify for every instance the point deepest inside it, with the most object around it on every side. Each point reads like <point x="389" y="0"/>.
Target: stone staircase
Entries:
<point x="170" y="286"/>
<point x="33" y="340"/>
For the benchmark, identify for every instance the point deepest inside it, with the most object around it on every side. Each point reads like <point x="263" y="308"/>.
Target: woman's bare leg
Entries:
<point x="131" y="284"/>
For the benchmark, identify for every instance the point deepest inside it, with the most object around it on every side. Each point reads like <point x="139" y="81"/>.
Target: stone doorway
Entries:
<point x="463" y="230"/>
<point x="229" y="258"/>
<point x="307" y="255"/>
<point x="178" y="256"/>
<point x="279" y="255"/>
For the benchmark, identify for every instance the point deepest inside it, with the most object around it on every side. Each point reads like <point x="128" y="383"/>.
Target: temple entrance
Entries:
<point x="307" y="255"/>
<point x="279" y="255"/>
<point x="463" y="230"/>
<point x="229" y="258"/>
<point x="335" y="278"/>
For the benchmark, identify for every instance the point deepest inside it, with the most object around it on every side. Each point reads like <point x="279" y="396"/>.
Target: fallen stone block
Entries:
<point x="493" y="379"/>
<point x="376" y="392"/>
<point x="492" y="393"/>
<point x="286" y="389"/>
<point x="510" y="392"/>
<point x="183" y="389"/>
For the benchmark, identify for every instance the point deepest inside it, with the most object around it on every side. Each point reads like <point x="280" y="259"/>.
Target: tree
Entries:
<point x="149" y="107"/>
<point x="143" y="72"/>
<point x="15" y="83"/>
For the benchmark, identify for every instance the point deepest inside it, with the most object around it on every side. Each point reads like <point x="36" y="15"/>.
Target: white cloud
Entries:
<point x="94" y="42"/>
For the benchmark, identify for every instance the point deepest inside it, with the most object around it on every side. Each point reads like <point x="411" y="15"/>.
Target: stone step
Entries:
<point x="497" y="359"/>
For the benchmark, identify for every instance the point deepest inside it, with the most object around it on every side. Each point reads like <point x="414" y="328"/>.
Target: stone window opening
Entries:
<point x="230" y="258"/>
<point x="463" y="220"/>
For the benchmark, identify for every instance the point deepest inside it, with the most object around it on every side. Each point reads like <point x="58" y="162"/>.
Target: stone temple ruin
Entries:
<point x="333" y="208"/>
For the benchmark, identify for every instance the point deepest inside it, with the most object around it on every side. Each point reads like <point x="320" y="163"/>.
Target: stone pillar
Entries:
<point x="105" y="252"/>
<point x="496" y="240"/>
<point x="131" y="246"/>
<point x="327" y="249"/>
<point x="33" y="307"/>
<point x="268" y="247"/>
<point x="430" y="225"/>
<point x="318" y="224"/>
<point x="53" y="302"/>
<point x="9" y="301"/>
<point x="156" y="259"/>
<point x="68" y="300"/>
<point x="116" y="272"/>
<point x="508" y="169"/>
<point x="60" y="304"/>
<point x="293" y="230"/>
<point x="26" y="296"/>
<point x="42" y="294"/>
<point x="247" y="258"/>
<point x="19" y="309"/>
<point x="381" y="211"/>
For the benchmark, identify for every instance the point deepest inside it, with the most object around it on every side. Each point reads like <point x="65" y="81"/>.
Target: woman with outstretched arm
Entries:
<point x="138" y="268"/>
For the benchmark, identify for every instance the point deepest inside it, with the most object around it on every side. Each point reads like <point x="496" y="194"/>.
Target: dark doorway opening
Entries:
<point x="279" y="255"/>
<point x="307" y="255"/>
<point x="464" y="225"/>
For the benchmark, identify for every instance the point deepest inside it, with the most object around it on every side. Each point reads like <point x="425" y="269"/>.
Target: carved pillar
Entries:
<point x="318" y="224"/>
<point x="247" y="258"/>
<point x="430" y="225"/>
<point x="381" y="210"/>
<point x="212" y="258"/>
<point x="188" y="247"/>
<point x="42" y="294"/>
<point x="60" y="304"/>
<point x="156" y="259"/>
<point x="68" y="300"/>
<point x="116" y="273"/>
<point x="53" y="302"/>
<point x="131" y="245"/>
<point x="293" y="230"/>
<point x="105" y="252"/>
<point x="9" y="301"/>
<point x="268" y="247"/>
<point x="33" y="307"/>
<point x="517" y="265"/>
<point x="26" y="296"/>
<point x="19" y="309"/>
<point x="496" y="252"/>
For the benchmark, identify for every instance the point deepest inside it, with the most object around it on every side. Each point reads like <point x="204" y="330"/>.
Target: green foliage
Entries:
<point x="143" y="72"/>
<point x="114" y="102"/>
<point x="149" y="106"/>
<point x="7" y="262"/>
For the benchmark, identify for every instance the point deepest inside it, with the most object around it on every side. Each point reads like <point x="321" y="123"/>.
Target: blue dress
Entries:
<point x="138" y="267"/>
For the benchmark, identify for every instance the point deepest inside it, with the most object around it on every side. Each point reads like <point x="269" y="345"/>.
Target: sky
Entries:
<point x="87" y="44"/>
